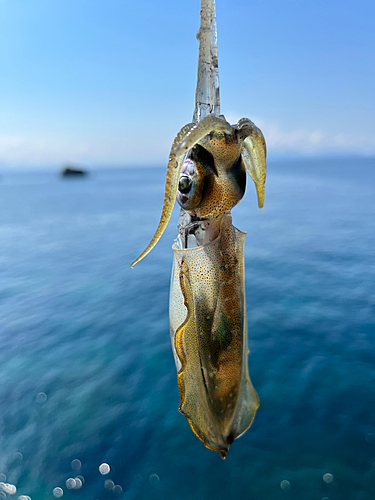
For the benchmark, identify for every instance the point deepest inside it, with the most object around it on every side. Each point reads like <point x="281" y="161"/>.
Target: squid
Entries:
<point x="206" y="174"/>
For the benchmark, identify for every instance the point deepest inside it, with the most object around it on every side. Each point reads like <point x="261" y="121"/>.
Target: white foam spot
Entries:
<point x="285" y="485"/>
<point x="70" y="483"/>
<point x="117" y="489"/>
<point x="41" y="397"/>
<point x="104" y="469"/>
<point x="154" y="479"/>
<point x="76" y="464"/>
<point x="109" y="484"/>
<point x="7" y="488"/>
<point x="78" y="483"/>
<point x="328" y="478"/>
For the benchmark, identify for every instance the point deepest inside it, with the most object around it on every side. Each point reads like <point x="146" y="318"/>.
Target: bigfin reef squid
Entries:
<point x="206" y="174"/>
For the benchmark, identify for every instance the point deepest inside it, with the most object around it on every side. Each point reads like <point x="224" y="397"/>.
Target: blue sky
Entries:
<point x="111" y="82"/>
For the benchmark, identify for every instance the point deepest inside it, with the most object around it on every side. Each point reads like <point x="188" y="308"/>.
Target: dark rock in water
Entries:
<point x="73" y="172"/>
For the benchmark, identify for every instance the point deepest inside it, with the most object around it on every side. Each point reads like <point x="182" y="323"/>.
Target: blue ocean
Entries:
<point x="88" y="392"/>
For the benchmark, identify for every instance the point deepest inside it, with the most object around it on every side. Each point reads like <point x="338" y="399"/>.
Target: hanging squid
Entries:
<point x="206" y="174"/>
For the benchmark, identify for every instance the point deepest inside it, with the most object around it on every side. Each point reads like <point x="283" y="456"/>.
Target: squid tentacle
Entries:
<point x="171" y="185"/>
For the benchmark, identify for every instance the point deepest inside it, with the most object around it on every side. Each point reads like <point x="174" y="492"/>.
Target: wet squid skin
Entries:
<point x="206" y="173"/>
<point x="246" y="141"/>
<point x="216" y="393"/>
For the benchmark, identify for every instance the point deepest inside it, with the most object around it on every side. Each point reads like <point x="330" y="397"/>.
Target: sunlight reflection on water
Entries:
<point x="87" y="374"/>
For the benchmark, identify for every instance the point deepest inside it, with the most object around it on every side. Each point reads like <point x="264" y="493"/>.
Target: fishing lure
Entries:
<point x="206" y="174"/>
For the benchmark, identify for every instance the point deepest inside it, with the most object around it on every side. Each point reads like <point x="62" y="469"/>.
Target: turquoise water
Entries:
<point x="86" y="368"/>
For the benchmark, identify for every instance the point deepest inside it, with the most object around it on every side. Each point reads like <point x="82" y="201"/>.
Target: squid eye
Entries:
<point x="184" y="184"/>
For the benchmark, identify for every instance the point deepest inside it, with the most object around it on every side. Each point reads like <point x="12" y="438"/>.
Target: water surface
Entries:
<point x="86" y="368"/>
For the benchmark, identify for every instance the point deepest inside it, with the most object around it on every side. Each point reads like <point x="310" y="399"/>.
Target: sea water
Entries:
<point x="87" y="375"/>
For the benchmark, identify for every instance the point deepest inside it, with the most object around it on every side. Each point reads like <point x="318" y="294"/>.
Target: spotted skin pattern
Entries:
<point x="225" y="193"/>
<point x="251" y="145"/>
<point x="206" y="173"/>
<point x="216" y="393"/>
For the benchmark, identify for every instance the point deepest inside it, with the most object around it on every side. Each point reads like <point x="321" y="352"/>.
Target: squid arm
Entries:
<point x="201" y="129"/>
<point x="253" y="154"/>
<point x="171" y="185"/>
